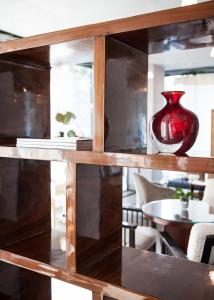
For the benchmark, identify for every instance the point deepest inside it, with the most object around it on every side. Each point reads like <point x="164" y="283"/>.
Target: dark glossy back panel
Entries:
<point x="20" y="284"/>
<point x="178" y="36"/>
<point x="125" y="98"/>
<point x="24" y="198"/>
<point x="24" y="100"/>
<point x="99" y="212"/>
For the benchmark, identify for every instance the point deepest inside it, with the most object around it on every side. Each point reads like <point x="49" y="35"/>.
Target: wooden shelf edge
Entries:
<point x="149" y="161"/>
<point x="31" y="264"/>
<point x="164" y="17"/>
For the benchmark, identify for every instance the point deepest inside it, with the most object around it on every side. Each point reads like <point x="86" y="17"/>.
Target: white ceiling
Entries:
<point x="183" y="59"/>
<point x="31" y="17"/>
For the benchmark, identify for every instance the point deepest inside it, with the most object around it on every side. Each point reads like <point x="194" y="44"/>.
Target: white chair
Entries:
<point x="208" y="196"/>
<point x="147" y="191"/>
<point x="141" y="237"/>
<point x="146" y="238"/>
<point x="200" y="246"/>
<point x="197" y="239"/>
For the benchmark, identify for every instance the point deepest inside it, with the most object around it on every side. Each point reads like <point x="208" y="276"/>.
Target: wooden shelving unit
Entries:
<point x="94" y="258"/>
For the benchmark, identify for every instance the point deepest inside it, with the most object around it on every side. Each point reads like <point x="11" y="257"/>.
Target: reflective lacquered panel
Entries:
<point x="98" y="212"/>
<point x="33" y="208"/>
<point x="125" y="98"/>
<point x="37" y="84"/>
<point x="172" y="210"/>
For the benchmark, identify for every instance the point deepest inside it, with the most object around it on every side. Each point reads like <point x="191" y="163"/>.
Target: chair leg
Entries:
<point x="132" y="238"/>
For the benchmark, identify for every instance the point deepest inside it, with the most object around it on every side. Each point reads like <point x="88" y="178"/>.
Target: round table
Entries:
<point x="177" y="221"/>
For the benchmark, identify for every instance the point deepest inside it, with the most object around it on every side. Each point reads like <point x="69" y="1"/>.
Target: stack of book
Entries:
<point x="75" y="143"/>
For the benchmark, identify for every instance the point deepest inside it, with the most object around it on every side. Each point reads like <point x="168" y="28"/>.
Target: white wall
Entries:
<point x="199" y="91"/>
<point x="67" y="291"/>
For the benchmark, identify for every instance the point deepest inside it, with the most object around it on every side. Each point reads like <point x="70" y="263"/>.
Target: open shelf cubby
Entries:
<point x="39" y="83"/>
<point x="61" y="210"/>
<point x="32" y="206"/>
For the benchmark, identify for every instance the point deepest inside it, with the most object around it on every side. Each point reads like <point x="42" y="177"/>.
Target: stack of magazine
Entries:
<point x="73" y="143"/>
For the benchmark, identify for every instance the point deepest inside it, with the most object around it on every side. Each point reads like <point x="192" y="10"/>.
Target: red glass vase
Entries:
<point x="174" y="129"/>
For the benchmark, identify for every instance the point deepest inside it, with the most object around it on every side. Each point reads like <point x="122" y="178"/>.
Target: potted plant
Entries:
<point x="65" y="120"/>
<point x="183" y="196"/>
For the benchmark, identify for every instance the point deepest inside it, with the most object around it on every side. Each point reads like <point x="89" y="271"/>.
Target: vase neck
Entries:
<point x="173" y="97"/>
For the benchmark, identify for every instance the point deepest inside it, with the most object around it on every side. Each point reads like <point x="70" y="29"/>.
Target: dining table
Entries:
<point x="176" y="220"/>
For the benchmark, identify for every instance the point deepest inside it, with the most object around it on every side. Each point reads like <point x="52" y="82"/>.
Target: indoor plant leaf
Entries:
<point x="59" y="117"/>
<point x="71" y="133"/>
<point x="68" y="116"/>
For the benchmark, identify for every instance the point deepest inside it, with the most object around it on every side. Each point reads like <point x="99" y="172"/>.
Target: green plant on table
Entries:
<point x="182" y="195"/>
<point x="65" y="120"/>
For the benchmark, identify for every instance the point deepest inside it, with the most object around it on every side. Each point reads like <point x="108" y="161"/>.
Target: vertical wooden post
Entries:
<point x="99" y="93"/>
<point x="71" y="216"/>
<point x="97" y="296"/>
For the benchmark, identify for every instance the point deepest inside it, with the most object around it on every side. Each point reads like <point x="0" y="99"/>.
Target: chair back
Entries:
<point x="209" y="194"/>
<point x="201" y="243"/>
<point x="147" y="191"/>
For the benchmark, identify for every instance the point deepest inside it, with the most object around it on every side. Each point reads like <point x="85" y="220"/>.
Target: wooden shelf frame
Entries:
<point x="100" y="283"/>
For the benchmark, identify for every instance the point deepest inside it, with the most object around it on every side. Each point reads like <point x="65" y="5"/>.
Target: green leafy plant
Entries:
<point x="180" y="194"/>
<point x="65" y="119"/>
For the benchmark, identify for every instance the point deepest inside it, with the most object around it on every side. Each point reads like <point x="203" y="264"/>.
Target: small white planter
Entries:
<point x="184" y="205"/>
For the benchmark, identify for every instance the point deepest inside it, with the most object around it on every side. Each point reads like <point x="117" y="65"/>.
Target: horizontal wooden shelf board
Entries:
<point x="43" y="249"/>
<point x="148" y="20"/>
<point x="160" y="276"/>
<point x="150" y="161"/>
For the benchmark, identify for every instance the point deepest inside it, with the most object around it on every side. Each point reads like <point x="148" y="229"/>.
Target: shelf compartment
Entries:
<point x="137" y="64"/>
<point x="156" y="275"/>
<point x="125" y="98"/>
<point x="32" y="210"/>
<point x="98" y="200"/>
<point x="25" y="199"/>
<point x="32" y="82"/>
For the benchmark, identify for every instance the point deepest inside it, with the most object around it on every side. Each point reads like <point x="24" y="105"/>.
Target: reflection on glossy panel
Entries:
<point x="24" y="198"/>
<point x="25" y="101"/>
<point x="179" y="36"/>
<point x="99" y="214"/>
<point x="125" y="98"/>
